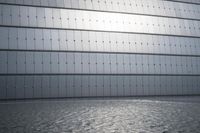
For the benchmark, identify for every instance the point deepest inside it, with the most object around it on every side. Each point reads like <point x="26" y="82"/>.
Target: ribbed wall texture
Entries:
<point x="89" y="48"/>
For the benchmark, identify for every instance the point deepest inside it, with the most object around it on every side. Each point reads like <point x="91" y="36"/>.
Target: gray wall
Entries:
<point x="78" y="48"/>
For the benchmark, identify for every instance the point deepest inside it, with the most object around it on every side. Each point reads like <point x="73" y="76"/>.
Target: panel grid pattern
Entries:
<point x="90" y="48"/>
<point x="168" y="8"/>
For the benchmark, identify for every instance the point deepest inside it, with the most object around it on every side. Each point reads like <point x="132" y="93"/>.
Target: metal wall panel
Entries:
<point x="46" y="87"/>
<point x="126" y="62"/>
<point x="106" y="37"/>
<point x="96" y="4"/>
<point x="22" y="38"/>
<point x="70" y="63"/>
<point x="93" y="86"/>
<point x="120" y="65"/>
<point x="75" y="3"/>
<point x="112" y="42"/>
<point x="113" y="61"/>
<point x="198" y="64"/>
<point x="82" y="4"/>
<point x="4" y="38"/>
<point x="133" y="47"/>
<point x="126" y="84"/>
<point x="64" y="18"/>
<point x="146" y="85"/>
<point x="52" y="2"/>
<point x="107" y="85"/>
<point x="6" y="14"/>
<point x="12" y="37"/>
<point x="93" y="63"/>
<point x="85" y="63"/>
<point x="29" y="86"/>
<point x="194" y="47"/>
<point x="195" y="65"/>
<point x="100" y="86"/>
<point x="62" y="86"/>
<point x="114" y="85"/>
<point x="27" y="2"/>
<point x="145" y="64"/>
<point x="106" y="59"/>
<point x="164" y="85"/>
<point x="32" y="13"/>
<point x="79" y="21"/>
<point x="62" y="63"/>
<point x="24" y="17"/>
<point x="198" y="84"/>
<point x="92" y="41"/>
<point x="39" y="39"/>
<point x="37" y="87"/>
<point x="72" y="19"/>
<point x="157" y="64"/>
<point x="78" y="40"/>
<point x="47" y="39"/>
<point x="30" y="67"/>
<point x="67" y="3"/>
<point x="11" y="87"/>
<point x="54" y="62"/>
<point x="70" y="40"/>
<point x="147" y="54"/>
<point x="12" y="62"/>
<point x="20" y="82"/>
<point x="89" y="4"/>
<point x="46" y="59"/>
<point x="55" y="40"/>
<point x="71" y="86"/>
<point x="49" y="17"/>
<point x="151" y="85"/>
<point x="85" y="42"/>
<point x="77" y="86"/>
<point x="85" y="86"/>
<point x="162" y="65"/>
<point x="133" y="64"/>
<point x="41" y="18"/>
<point x="119" y="44"/>
<point x="15" y="15"/>
<point x="120" y="86"/>
<point x="139" y="87"/>
<point x="57" y="18"/>
<point x="38" y="62"/>
<point x="78" y="63"/>
<point x="194" y="84"/>
<point x="53" y="18"/>
<point x="63" y="40"/>
<point x="44" y="2"/>
<point x="3" y="87"/>
<point x="189" y="65"/>
<point x="3" y="62"/>
<point x="35" y="2"/>
<point x="163" y="8"/>
<point x="99" y="41"/>
<point x="21" y="62"/>
<point x="100" y="65"/>
<point x="1" y="14"/>
<point x="30" y="38"/>
<point x="54" y="86"/>
<point x="133" y="85"/>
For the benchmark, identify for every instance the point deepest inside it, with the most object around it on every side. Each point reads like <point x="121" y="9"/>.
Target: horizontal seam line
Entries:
<point x="94" y="74"/>
<point x="191" y="3"/>
<point x="17" y="100"/>
<point x="98" y="52"/>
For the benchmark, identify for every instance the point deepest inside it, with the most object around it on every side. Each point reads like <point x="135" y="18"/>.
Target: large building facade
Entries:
<point x="90" y="48"/>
